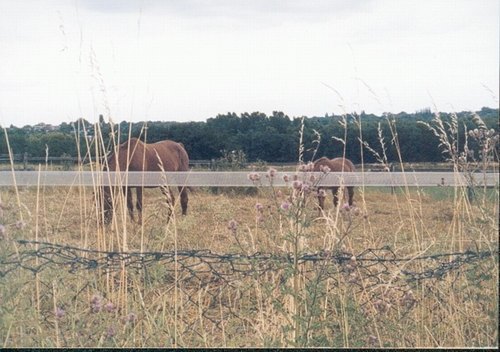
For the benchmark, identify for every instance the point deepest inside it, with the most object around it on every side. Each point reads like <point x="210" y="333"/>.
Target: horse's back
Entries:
<point x="173" y="156"/>
<point x="335" y="165"/>
<point x="344" y="164"/>
<point x="165" y="155"/>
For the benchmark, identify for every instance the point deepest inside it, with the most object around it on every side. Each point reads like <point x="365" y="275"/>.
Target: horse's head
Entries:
<point x="105" y="201"/>
<point x="106" y="204"/>
<point x="104" y="196"/>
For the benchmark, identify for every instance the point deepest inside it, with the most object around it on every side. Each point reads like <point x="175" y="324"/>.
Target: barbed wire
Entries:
<point x="38" y="256"/>
<point x="379" y="273"/>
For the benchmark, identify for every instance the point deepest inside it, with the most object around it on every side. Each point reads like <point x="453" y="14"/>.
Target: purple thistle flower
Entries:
<point x="59" y="313"/>
<point x="285" y="206"/>
<point x="132" y="317"/>
<point x="232" y="225"/>
<point x="381" y="306"/>
<point x="253" y="176"/>
<point x="286" y="178"/>
<point x="110" y="332"/>
<point x="96" y="299"/>
<point x="408" y="299"/>
<point x="110" y="307"/>
<point x="324" y="168"/>
<point x="306" y="188"/>
<point x="297" y="184"/>
<point x="96" y="307"/>
<point x="271" y="172"/>
<point x="20" y="224"/>
<point x="259" y="207"/>
<point x="353" y="279"/>
<point x="372" y="340"/>
<point x="96" y="303"/>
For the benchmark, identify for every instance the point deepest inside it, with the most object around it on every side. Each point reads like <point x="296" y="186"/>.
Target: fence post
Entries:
<point x="393" y="190"/>
<point x="25" y="161"/>
<point x="471" y="194"/>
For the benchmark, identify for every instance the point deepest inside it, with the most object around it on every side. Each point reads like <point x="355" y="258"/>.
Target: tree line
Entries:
<point x="259" y="137"/>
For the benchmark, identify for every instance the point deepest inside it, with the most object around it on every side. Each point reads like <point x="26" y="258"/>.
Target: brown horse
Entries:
<point x="334" y="165"/>
<point x="134" y="155"/>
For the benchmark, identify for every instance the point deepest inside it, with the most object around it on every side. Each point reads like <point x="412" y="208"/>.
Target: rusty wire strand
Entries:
<point x="225" y="278"/>
<point x="372" y="262"/>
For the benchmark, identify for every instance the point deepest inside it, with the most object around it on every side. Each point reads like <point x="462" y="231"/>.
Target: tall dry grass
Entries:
<point x="292" y="306"/>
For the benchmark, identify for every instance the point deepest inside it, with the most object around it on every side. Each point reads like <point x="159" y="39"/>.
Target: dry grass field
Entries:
<point x="197" y="303"/>
<point x="413" y="267"/>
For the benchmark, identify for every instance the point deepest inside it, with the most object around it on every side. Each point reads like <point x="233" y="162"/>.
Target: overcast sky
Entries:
<point x="188" y="60"/>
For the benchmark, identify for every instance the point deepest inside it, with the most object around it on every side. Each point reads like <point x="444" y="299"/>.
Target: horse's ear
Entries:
<point x="182" y="145"/>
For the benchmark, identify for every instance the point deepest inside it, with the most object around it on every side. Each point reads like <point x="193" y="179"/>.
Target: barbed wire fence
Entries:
<point x="372" y="261"/>
<point x="220" y="287"/>
<point x="372" y="270"/>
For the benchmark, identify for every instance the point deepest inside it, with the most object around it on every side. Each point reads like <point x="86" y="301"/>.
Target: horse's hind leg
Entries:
<point x="170" y="201"/>
<point x="138" y="203"/>
<point x="350" y="191"/>
<point x="184" y="199"/>
<point x="335" y="191"/>
<point x="130" y="203"/>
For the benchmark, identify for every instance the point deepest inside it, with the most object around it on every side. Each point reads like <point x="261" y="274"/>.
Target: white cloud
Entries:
<point x="185" y="60"/>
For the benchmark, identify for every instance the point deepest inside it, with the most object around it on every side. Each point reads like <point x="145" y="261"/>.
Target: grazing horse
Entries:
<point x="134" y="155"/>
<point x="334" y="165"/>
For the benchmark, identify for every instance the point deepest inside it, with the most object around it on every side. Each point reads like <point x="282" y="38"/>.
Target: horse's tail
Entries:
<point x="183" y="157"/>
<point x="350" y="164"/>
<point x="183" y="162"/>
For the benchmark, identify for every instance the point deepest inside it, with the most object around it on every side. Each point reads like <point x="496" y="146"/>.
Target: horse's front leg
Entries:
<point x="321" y="200"/>
<point x="170" y="201"/>
<point x="130" y="203"/>
<point x="184" y="199"/>
<point x="139" y="203"/>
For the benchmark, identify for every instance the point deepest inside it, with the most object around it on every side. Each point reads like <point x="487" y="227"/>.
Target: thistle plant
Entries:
<point x="478" y="154"/>
<point x="301" y="291"/>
